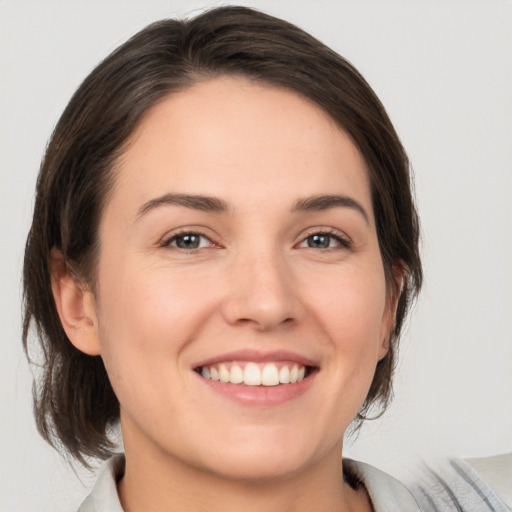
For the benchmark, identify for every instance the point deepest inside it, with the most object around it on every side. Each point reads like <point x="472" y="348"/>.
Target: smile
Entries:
<point x="255" y="374"/>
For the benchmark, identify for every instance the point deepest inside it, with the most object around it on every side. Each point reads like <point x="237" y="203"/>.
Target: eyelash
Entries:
<point x="182" y="234"/>
<point x="343" y="241"/>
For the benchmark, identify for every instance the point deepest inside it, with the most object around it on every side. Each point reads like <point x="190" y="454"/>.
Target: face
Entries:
<point x="239" y="244"/>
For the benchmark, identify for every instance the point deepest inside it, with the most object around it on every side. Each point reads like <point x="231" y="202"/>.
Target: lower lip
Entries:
<point x="260" y="395"/>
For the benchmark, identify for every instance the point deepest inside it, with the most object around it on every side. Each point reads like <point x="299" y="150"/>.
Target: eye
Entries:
<point x="324" y="240"/>
<point x="188" y="241"/>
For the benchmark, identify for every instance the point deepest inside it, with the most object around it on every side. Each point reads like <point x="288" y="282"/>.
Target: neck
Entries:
<point x="155" y="482"/>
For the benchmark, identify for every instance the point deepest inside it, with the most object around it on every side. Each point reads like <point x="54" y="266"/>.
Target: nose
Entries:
<point x="261" y="294"/>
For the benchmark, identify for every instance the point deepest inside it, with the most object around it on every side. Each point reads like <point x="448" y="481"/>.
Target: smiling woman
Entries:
<point x="224" y="247"/>
<point x="238" y="294"/>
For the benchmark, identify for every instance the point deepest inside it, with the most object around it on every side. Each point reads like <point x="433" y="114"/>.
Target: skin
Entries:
<point x="254" y="283"/>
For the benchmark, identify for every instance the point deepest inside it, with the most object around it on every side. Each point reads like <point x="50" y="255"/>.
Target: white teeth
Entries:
<point x="253" y="375"/>
<point x="270" y="375"/>
<point x="294" y="374"/>
<point x="284" y="375"/>
<point x="223" y="373"/>
<point x="236" y="375"/>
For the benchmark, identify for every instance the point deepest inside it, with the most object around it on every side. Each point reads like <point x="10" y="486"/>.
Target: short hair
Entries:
<point x="75" y="405"/>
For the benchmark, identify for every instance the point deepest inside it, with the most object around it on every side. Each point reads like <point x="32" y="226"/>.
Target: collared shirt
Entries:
<point x="457" y="486"/>
<point x="386" y="493"/>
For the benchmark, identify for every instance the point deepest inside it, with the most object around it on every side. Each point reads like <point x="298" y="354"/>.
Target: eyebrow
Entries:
<point x="195" y="202"/>
<point x="326" y="202"/>
<point x="216" y="205"/>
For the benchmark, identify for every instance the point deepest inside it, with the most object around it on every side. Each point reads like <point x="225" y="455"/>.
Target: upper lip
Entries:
<point x="257" y="357"/>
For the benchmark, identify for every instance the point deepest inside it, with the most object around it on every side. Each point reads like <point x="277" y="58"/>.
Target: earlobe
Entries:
<point x="384" y="348"/>
<point x="75" y="306"/>
<point x="391" y="308"/>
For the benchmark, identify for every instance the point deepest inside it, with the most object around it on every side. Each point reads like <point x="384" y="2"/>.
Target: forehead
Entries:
<point x="236" y="139"/>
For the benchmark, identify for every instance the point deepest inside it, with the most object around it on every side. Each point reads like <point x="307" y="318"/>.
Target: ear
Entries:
<point x="75" y="306"/>
<point x="389" y="317"/>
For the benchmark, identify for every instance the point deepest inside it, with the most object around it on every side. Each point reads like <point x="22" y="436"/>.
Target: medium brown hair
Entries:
<point x="75" y="405"/>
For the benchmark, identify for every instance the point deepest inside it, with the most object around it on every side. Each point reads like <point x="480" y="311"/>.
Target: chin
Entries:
<point x="262" y="459"/>
<point x="258" y="469"/>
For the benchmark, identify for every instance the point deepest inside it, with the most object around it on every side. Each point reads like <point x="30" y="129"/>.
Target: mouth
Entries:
<point x="253" y="373"/>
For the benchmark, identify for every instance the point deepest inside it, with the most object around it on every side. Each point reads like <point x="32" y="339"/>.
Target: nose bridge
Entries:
<point x="262" y="289"/>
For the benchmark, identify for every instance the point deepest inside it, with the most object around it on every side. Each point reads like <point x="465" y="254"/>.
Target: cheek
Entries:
<point x="352" y="313"/>
<point x="140" y="302"/>
<point x="351" y="305"/>
<point x="146" y="319"/>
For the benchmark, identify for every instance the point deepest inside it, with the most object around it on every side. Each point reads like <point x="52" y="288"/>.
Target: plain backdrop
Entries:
<point x="443" y="69"/>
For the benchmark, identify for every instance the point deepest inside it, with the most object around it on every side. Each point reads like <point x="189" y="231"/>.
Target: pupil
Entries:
<point x="188" y="242"/>
<point x="319" y="241"/>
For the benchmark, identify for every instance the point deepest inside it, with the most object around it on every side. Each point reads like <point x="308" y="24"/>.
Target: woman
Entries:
<point x="223" y="252"/>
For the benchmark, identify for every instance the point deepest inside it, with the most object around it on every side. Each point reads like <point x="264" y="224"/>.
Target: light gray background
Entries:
<point x="443" y="69"/>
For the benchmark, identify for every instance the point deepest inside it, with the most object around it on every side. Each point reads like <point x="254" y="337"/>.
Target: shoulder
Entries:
<point x="386" y="493"/>
<point x="497" y="472"/>
<point x="103" y="497"/>
<point x="476" y="485"/>
<point x="473" y="485"/>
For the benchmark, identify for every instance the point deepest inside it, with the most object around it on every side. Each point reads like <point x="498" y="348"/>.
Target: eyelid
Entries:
<point x="169" y="237"/>
<point x="344" y="240"/>
<point x="341" y="236"/>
